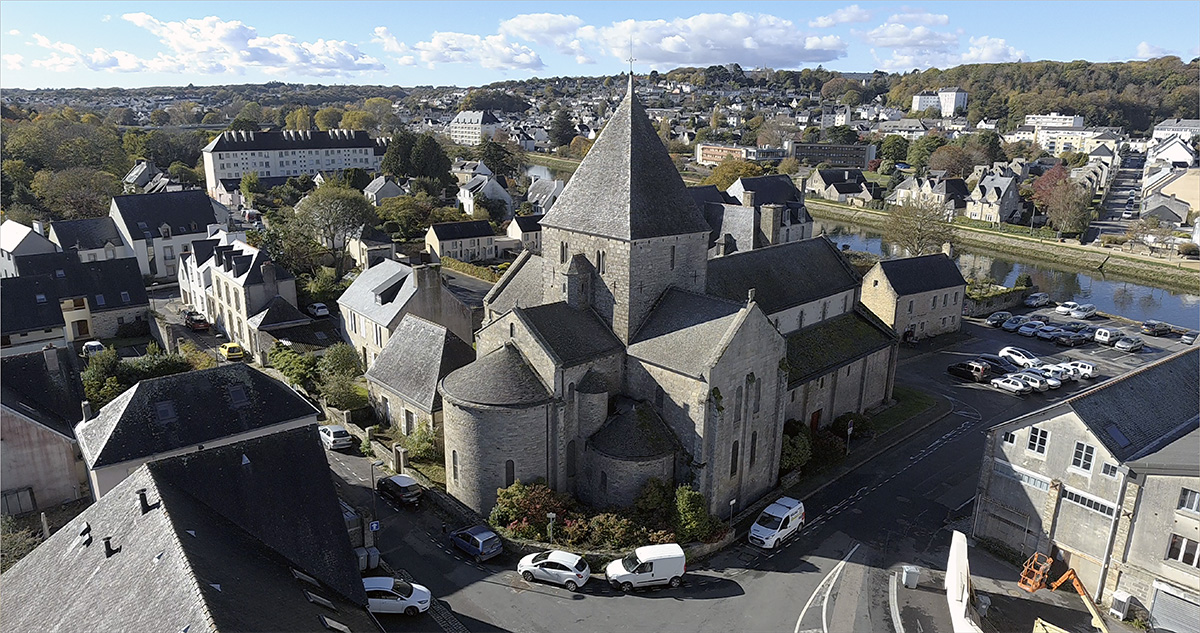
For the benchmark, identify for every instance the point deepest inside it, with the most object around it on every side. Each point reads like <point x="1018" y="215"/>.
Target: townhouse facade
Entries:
<point x="918" y="297"/>
<point x="469" y="241"/>
<point x="158" y="228"/>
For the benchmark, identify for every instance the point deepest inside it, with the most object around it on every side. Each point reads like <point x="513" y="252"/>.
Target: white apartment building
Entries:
<point x="1185" y="128"/>
<point x="1057" y="140"/>
<point x="924" y="100"/>
<point x="1054" y="119"/>
<point x="472" y="127"/>
<point x="952" y="100"/>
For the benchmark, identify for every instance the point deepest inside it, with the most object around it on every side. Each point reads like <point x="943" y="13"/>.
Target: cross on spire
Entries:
<point x="631" y="60"/>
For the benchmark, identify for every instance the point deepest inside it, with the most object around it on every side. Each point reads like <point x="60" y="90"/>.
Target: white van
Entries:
<point x="648" y="566"/>
<point x="778" y="521"/>
<point x="1108" y="335"/>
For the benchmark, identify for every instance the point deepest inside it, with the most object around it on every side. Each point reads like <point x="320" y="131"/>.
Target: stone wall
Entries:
<point x="42" y="460"/>
<point x="1014" y="297"/>
<point x="608" y="481"/>
<point x="105" y="324"/>
<point x="481" y="439"/>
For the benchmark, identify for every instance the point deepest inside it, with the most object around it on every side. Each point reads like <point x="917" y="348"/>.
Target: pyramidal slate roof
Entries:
<point x="627" y="188"/>
<point x="416" y="357"/>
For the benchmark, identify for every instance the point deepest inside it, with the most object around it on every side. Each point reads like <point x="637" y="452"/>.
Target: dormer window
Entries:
<point x="124" y="297"/>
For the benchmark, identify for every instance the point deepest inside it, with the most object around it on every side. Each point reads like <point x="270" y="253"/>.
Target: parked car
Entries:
<point x="1108" y="335"/>
<point x="1065" y="307"/>
<point x="1015" y="323"/>
<point x="1155" y="328"/>
<point x="558" y="567"/>
<point x="1072" y="339"/>
<point x="1033" y="380"/>
<point x="335" y="436"/>
<point x="92" y="348"/>
<point x="975" y="371"/>
<point x="478" y="542"/>
<point x="1037" y="300"/>
<point x="399" y="488"/>
<point x="196" y="322"/>
<point x="1031" y="327"/>
<point x="778" y="522"/>
<point x="646" y="566"/>
<point x="1049" y="332"/>
<point x="393" y="595"/>
<point x="1086" y="370"/>
<point x="1084" y="311"/>
<point x="1130" y="344"/>
<point x="318" y="309"/>
<point x="1127" y="214"/>
<point x="1075" y="326"/>
<point x="1054" y="378"/>
<point x="996" y="319"/>
<point x="231" y="351"/>
<point x="999" y="365"/>
<point x="1189" y="337"/>
<point x="1011" y="385"/>
<point x="1020" y="357"/>
<point x="1063" y="372"/>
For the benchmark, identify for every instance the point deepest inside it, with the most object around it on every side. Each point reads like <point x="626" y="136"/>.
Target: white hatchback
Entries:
<point x="1087" y="370"/>
<point x="558" y="567"/>
<point x="393" y="595"/>
<point x="1020" y="357"/>
<point x="1066" y="307"/>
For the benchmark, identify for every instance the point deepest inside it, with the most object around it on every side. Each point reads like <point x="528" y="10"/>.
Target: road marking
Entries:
<point x="895" y="604"/>
<point x="834" y="573"/>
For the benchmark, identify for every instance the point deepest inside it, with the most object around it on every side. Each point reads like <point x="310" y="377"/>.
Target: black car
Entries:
<point x="996" y="319"/>
<point x="400" y="488"/>
<point x="1072" y="339"/>
<point x="998" y="365"/>
<point x="975" y="371"/>
<point x="1155" y="328"/>
<point x="1075" y="326"/>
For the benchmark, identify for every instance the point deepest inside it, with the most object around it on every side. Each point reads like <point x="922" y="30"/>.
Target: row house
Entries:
<point x="995" y="199"/>
<point x="95" y="300"/>
<point x="17" y="239"/>
<point x="156" y="229"/>
<point x="469" y="241"/>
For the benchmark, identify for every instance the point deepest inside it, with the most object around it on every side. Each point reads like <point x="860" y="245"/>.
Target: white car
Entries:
<point x="318" y="309"/>
<point x="392" y="595"/>
<point x="335" y="436"/>
<point x="1037" y="300"/>
<point x="1020" y="357"/>
<point x="1011" y="385"/>
<point x="1066" y="307"/>
<point x="1087" y="370"/>
<point x="92" y="348"/>
<point x="1084" y="311"/>
<point x="1063" y="372"/>
<point x="558" y="567"/>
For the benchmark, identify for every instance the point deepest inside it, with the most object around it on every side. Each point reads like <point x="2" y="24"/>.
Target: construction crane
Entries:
<point x="1036" y="574"/>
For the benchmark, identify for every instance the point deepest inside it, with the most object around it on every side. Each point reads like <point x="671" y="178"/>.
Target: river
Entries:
<point x="1130" y="300"/>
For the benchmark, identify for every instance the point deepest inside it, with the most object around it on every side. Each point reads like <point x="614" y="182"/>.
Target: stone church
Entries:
<point x="623" y="352"/>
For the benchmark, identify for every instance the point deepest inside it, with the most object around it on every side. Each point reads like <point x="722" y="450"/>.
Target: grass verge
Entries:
<point x="909" y="403"/>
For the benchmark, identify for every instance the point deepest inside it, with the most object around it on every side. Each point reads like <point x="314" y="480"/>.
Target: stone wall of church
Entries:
<point x="857" y="387"/>
<point x="481" y="441"/>
<point x="608" y="481"/>
<point x="656" y="264"/>
<point x="606" y="297"/>
<point x="684" y="403"/>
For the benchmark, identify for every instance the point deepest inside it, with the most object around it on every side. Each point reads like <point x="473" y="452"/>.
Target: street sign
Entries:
<point x="849" y="427"/>
<point x="374" y="526"/>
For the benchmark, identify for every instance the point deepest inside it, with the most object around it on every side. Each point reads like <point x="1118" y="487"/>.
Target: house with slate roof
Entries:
<point x="382" y="188"/>
<point x="469" y="241"/>
<point x="994" y="199"/>
<point x="623" y="352"/>
<point x="489" y="187"/>
<point x="159" y="227"/>
<point x="543" y="193"/>
<point x="40" y="402"/>
<point x="184" y="413"/>
<point x="916" y="296"/>
<point x="247" y="536"/>
<point x="527" y="229"/>
<point x="1107" y="481"/>
<point x="948" y="194"/>
<point x="95" y="298"/>
<point x="30" y="316"/>
<point x="92" y="239"/>
<point x="17" y="239"/>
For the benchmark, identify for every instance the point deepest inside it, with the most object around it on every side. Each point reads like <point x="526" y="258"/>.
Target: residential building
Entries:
<point x="911" y="129"/>
<point x="488" y="187"/>
<point x="994" y="199"/>
<point x="779" y="214"/>
<point x="402" y="382"/>
<point x="92" y="239"/>
<point x="952" y="101"/>
<point x="472" y="127"/>
<point x="469" y="241"/>
<point x="528" y="229"/>
<point x="382" y="188"/>
<point x="40" y="402"/>
<point x="842" y="185"/>
<point x="916" y="296"/>
<point x="464" y="170"/>
<point x="96" y="299"/>
<point x="139" y="176"/>
<point x="624" y="352"/>
<point x="247" y="536"/>
<point x="856" y="156"/>
<point x="1174" y="151"/>
<point x="283" y="323"/>
<point x="370" y="246"/>
<point x="159" y="418"/>
<point x="542" y="194"/>
<point x="924" y="100"/>
<point x="16" y="239"/>
<point x="712" y="154"/>
<point x="1057" y="140"/>
<point x="1108" y="483"/>
<point x="30" y="315"/>
<point x="1186" y="128"/>
<point x="949" y="194"/>
<point x="1168" y="209"/>
<point x="277" y="156"/>
<point x="159" y="227"/>
<point x="1054" y="119"/>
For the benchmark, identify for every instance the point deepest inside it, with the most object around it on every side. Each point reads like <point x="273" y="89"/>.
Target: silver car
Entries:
<point x="1052" y="380"/>
<point x="1036" y="382"/>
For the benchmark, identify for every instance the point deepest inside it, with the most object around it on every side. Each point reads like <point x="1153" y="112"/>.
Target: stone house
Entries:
<point x="916" y="296"/>
<point x="1109" y="483"/>
<point x="995" y="199"/>
<point x="949" y="194"/>
<point x="96" y="298"/>
<point x="469" y="241"/>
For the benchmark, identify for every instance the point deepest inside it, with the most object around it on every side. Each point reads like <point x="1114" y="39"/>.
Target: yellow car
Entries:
<point x="231" y="351"/>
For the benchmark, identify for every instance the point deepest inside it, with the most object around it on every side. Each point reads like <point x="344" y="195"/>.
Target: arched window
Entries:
<point x="571" y="393"/>
<point x="603" y="482"/>
<point x="454" y="463"/>
<point x="571" y="458"/>
<point x="753" y="447"/>
<point x="510" y="473"/>
<point x="659" y="396"/>
<point x="512" y="330"/>
<point x="757" y="393"/>
<point x="737" y="405"/>
<point x="733" y="460"/>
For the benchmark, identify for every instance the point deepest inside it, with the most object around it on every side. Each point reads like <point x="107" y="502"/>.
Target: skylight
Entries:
<point x="324" y="602"/>
<point x="1117" y="435"/>
<point x="237" y="394"/>
<point x="165" y="411"/>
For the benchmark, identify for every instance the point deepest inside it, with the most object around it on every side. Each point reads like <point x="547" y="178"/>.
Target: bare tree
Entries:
<point x="920" y="228"/>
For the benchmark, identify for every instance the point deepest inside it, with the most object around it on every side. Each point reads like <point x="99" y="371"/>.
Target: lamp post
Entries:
<point x="551" y="516"/>
<point x="732" y="503"/>
<point x="374" y="489"/>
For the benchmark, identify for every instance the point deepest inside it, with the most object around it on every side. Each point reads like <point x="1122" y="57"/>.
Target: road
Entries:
<point x="833" y="577"/>
<point x="1128" y="180"/>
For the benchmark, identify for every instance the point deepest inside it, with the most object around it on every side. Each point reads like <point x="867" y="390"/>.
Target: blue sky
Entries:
<point x="132" y="44"/>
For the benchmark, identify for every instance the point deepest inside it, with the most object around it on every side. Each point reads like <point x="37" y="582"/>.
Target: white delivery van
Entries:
<point x="779" y="521"/>
<point x="648" y="566"/>
<point x="1108" y="336"/>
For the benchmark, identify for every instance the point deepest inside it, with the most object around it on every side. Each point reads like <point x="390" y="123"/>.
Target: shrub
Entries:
<point x="797" y="451"/>
<point x="1023" y="281"/>
<point x="529" y="501"/>
<point x="341" y="393"/>
<point x="828" y="450"/>
<point x="478" y="272"/>
<point x="16" y="542"/>
<point x="655" y="505"/>
<point x="1112" y="239"/>
<point x="694" y="521"/>
<point x="196" y="357"/>
<point x="612" y="531"/>
<point x="575" y="531"/>
<point x="523" y="529"/>
<point x="365" y="447"/>
<point x="862" y="424"/>
<point x="299" y="369"/>
<point x="421" y="444"/>
<point x="340" y="359"/>
<point x="134" y="329"/>
<point x="1189" y="249"/>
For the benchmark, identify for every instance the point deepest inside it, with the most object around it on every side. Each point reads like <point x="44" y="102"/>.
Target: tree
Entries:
<point x="212" y="118"/>
<point x="841" y="135"/>
<point x="358" y="120"/>
<point x="953" y="159"/>
<point x="796" y="451"/>
<point x="397" y="160"/>
<point x="299" y="119"/>
<point x="243" y="124"/>
<point x="184" y="174"/>
<point x="380" y="108"/>
<point x="561" y="129"/>
<point x="121" y="116"/>
<point x="160" y="117"/>
<point x="501" y="161"/>
<point x="694" y="521"/>
<point x="332" y="216"/>
<point x="988" y="144"/>
<point x="1068" y="207"/>
<point x="430" y="160"/>
<point x="340" y="360"/>
<point x="78" y="192"/>
<point x="729" y="170"/>
<point x="919" y="228"/>
<point x="852" y="98"/>
<point x="288" y="244"/>
<point x="924" y="147"/>
<point x="250" y="188"/>
<point x="328" y="118"/>
<point x="251" y="111"/>
<point x="788" y="166"/>
<point x="775" y="131"/>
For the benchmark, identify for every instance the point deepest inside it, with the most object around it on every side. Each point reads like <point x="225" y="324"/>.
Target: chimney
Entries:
<point x="270" y="285"/>
<point x="50" y="354"/>
<point x="87" y="410"/>
<point x="109" y="550"/>
<point x="747" y="198"/>
<point x="770" y="219"/>
<point x="428" y="276"/>
<point x="749" y="297"/>
<point x="141" y="493"/>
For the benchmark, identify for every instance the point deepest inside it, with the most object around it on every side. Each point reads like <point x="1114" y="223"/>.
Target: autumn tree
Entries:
<point x="299" y="119"/>
<point x="78" y="192"/>
<point x="729" y="170"/>
<point x="924" y="147"/>
<point x="332" y="215"/>
<point x="919" y="228"/>
<point x="953" y="159"/>
<point x="358" y="120"/>
<point x="1068" y="207"/>
<point x="328" y="118"/>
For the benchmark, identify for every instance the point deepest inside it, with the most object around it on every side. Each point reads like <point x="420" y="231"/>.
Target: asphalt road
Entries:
<point x="1109" y="217"/>
<point x="894" y="510"/>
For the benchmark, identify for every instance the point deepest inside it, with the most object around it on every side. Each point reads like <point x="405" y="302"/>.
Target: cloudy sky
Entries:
<point x="130" y="44"/>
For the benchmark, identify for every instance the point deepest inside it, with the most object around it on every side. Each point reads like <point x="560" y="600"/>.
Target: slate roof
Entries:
<point x="914" y="275"/>
<point x="501" y="378"/>
<point x="241" y="141"/>
<point x="627" y="188"/>
<point x="314" y="335"/>
<point x="52" y="398"/>
<point x="709" y="194"/>
<point x="224" y="530"/>
<point x="143" y="172"/>
<point x="278" y="312"/>
<point x="20" y="311"/>
<point x="1101" y="150"/>
<point x="544" y="191"/>
<point x="416" y="357"/>
<point x="633" y="432"/>
<point x="205" y="406"/>
<point x="528" y="223"/>
<point x="392" y="281"/>
<point x="476" y="117"/>
<point x="1176" y="457"/>
<point x="186" y="212"/>
<point x="572" y="336"/>
<point x="86" y="234"/>
<point x="521" y="285"/>
<point x="776" y="189"/>
<point x="13" y="234"/>
<point x="684" y="331"/>
<point x="784" y="275"/>
<point x="820" y="349"/>
<point x="101" y="280"/>
<point x="379" y="183"/>
<point x="462" y="230"/>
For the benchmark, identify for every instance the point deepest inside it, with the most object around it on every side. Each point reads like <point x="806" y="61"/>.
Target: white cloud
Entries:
<point x="12" y="61"/>
<point x="560" y="31"/>
<point x="1146" y="50"/>
<point x="491" y="51"/>
<point x="916" y="59"/>
<point x="14" y="32"/>
<point x="896" y="35"/>
<point x="920" y="17"/>
<point x="852" y="13"/>
<point x="986" y="50"/>
<point x="106" y="18"/>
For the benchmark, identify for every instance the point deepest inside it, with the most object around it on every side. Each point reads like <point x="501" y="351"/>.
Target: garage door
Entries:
<point x="1172" y="614"/>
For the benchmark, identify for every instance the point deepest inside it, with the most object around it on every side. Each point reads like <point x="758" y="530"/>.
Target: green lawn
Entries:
<point x="909" y="402"/>
<point x="876" y="178"/>
<point x="434" y="471"/>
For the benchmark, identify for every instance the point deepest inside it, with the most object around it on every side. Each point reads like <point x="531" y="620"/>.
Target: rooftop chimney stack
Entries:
<point x="109" y="550"/>
<point x="87" y="410"/>
<point x="750" y="296"/>
<point x="141" y="493"/>
<point x="50" y="354"/>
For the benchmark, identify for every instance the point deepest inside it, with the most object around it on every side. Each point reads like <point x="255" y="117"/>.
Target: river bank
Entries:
<point x="1114" y="264"/>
